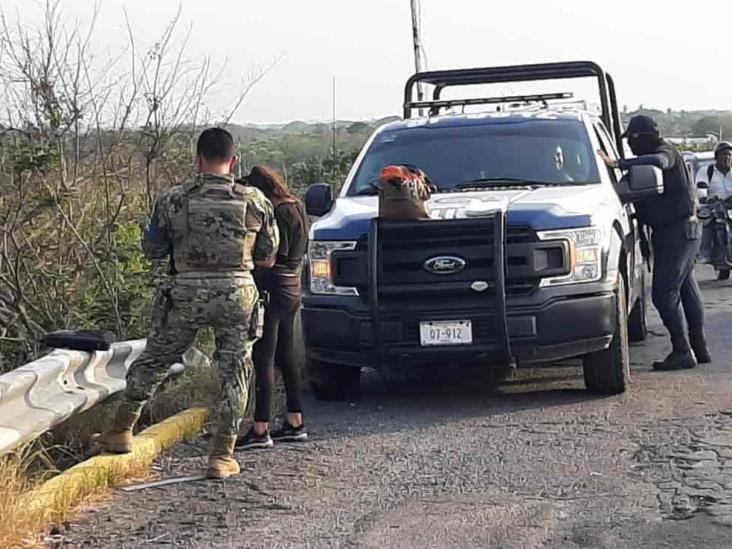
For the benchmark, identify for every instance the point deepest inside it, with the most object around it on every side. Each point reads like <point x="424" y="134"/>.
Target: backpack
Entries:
<point x="403" y="194"/>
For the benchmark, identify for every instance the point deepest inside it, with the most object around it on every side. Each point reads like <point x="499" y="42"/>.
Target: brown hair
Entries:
<point x="270" y="182"/>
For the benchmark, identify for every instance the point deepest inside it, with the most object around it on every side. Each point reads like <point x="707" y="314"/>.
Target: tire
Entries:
<point x="637" y="327"/>
<point x="723" y="274"/>
<point x="608" y="371"/>
<point x="332" y="381"/>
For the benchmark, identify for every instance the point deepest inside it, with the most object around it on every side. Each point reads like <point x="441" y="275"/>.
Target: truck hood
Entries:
<point x="542" y="209"/>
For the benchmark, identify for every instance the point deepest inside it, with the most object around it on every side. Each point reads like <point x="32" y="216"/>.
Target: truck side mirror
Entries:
<point x="318" y="199"/>
<point x="640" y="183"/>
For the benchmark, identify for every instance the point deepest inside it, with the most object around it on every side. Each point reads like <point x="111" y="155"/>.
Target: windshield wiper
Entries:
<point x="514" y="182"/>
<point x="500" y="182"/>
<point x="367" y="191"/>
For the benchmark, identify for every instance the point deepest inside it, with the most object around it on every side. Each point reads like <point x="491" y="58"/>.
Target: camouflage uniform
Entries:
<point x="213" y="230"/>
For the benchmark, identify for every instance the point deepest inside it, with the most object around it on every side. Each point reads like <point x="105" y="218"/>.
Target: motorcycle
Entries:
<point x="715" y="216"/>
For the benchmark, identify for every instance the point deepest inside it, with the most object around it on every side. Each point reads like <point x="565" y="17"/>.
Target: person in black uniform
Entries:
<point x="676" y="232"/>
<point x="277" y="344"/>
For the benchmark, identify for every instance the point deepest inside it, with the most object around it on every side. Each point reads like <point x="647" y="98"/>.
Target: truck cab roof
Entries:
<point x="485" y="118"/>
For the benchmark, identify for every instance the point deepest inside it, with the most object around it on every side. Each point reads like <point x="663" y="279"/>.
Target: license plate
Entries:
<point x="446" y="332"/>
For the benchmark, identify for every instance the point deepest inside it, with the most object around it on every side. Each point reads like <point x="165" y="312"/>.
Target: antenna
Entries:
<point x="334" y="118"/>
<point x="416" y="40"/>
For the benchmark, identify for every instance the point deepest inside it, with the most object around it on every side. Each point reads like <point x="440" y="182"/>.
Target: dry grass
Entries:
<point x="19" y="525"/>
<point x="32" y="502"/>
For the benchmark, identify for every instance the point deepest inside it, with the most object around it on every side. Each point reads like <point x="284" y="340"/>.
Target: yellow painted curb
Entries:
<point x="95" y="475"/>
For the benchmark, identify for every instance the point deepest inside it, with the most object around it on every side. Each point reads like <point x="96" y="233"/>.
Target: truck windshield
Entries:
<point x="534" y="151"/>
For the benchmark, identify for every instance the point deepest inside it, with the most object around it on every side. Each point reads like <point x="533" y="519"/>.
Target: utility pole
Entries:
<point x="416" y="40"/>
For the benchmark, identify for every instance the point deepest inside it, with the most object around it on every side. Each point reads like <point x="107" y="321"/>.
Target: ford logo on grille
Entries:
<point x="444" y="264"/>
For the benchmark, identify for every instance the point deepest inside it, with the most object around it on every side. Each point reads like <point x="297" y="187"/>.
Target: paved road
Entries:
<point x="534" y="463"/>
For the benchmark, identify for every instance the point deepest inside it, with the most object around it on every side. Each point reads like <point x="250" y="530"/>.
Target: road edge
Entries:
<point x="55" y="497"/>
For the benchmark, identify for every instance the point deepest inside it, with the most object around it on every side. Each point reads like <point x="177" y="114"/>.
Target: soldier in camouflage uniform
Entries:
<point x="214" y="231"/>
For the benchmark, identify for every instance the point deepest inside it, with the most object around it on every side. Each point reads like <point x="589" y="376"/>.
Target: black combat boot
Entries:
<point x="680" y="358"/>
<point x="699" y="346"/>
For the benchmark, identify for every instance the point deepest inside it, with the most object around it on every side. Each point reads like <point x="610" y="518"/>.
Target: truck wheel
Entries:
<point x="723" y="274"/>
<point x="333" y="382"/>
<point x="608" y="371"/>
<point x="637" y="328"/>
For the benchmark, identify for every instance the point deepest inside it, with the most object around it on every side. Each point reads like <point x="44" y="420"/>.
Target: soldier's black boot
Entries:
<point x="681" y="357"/>
<point x="699" y="346"/>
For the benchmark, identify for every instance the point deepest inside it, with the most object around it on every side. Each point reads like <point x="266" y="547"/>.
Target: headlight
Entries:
<point x="321" y="267"/>
<point x="585" y="247"/>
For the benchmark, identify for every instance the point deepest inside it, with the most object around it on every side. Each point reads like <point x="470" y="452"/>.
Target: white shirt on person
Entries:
<point x="721" y="184"/>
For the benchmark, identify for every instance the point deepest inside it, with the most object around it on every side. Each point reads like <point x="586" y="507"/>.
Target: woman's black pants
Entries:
<point x="277" y="346"/>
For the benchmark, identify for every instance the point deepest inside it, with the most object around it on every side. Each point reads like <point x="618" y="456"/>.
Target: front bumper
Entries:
<point x="559" y="328"/>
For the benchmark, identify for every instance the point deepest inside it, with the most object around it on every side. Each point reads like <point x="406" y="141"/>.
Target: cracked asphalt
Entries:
<point x="458" y="461"/>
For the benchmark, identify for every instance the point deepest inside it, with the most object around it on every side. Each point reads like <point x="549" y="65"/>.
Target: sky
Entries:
<point x="661" y="57"/>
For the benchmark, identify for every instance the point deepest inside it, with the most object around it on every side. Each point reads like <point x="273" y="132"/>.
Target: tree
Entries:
<point x="358" y="128"/>
<point x="84" y="148"/>
<point x="712" y="125"/>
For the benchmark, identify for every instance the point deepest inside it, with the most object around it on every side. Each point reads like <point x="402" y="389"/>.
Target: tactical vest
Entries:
<point x="209" y="227"/>
<point x="678" y="201"/>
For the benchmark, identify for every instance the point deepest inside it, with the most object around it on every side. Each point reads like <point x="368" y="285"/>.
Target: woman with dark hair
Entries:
<point x="277" y="344"/>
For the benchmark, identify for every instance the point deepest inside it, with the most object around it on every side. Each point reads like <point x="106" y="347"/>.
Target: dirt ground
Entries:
<point x="455" y="461"/>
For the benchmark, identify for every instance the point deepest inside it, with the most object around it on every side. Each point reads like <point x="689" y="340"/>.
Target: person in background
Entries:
<point x="277" y="345"/>
<point x="718" y="178"/>
<point x="675" y="238"/>
<point x="719" y="175"/>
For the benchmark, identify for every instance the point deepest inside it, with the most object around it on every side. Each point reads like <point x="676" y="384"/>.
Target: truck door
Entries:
<point x="635" y="261"/>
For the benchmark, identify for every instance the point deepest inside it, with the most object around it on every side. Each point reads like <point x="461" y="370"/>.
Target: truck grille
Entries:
<point x="404" y="249"/>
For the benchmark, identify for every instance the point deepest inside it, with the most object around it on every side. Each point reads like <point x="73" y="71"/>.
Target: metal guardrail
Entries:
<point x="41" y="394"/>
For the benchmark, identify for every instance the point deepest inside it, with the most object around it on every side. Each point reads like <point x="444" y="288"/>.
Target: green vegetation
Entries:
<point x="689" y="123"/>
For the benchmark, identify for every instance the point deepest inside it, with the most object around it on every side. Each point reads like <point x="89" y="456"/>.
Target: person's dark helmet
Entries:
<point x="641" y="124"/>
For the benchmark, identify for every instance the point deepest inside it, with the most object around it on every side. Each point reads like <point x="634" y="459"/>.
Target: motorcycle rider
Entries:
<point x="720" y="175"/>
<point x="719" y="182"/>
<point x="675" y="238"/>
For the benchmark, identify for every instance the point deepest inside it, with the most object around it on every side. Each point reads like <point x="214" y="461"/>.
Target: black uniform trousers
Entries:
<point x="676" y="293"/>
